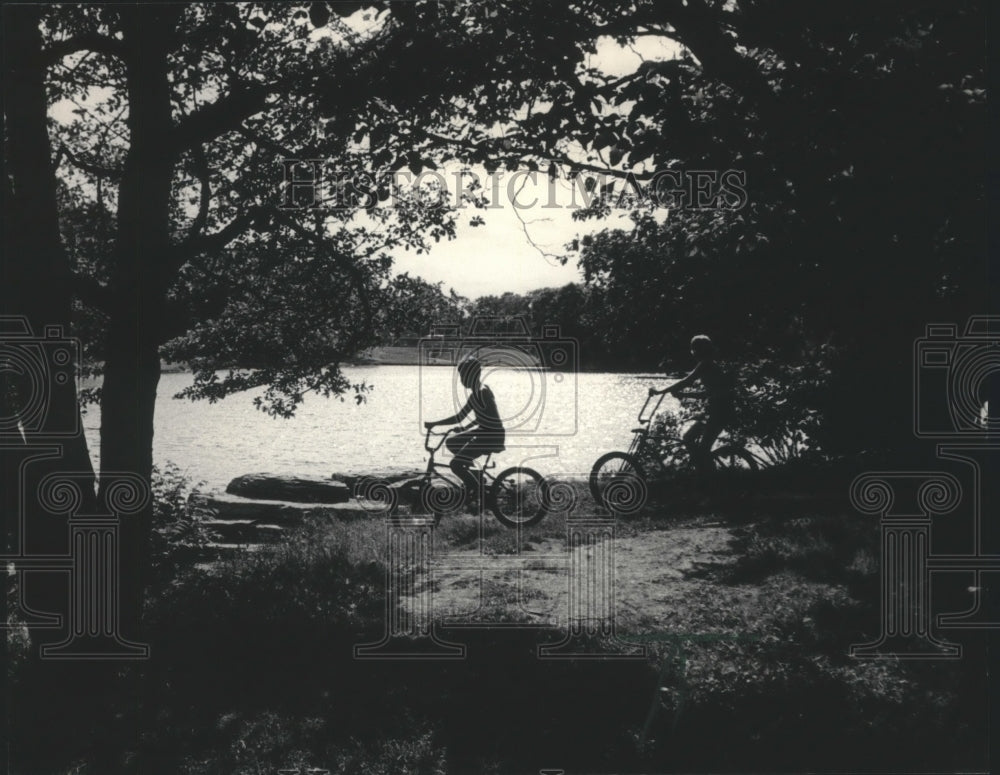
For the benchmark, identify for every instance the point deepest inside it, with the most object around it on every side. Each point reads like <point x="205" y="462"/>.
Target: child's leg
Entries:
<point x="710" y="432"/>
<point x="465" y="448"/>
<point x="692" y="439"/>
<point x="462" y="468"/>
<point x="693" y="434"/>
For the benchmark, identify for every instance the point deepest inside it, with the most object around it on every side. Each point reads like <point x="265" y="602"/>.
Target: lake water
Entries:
<point x="557" y="423"/>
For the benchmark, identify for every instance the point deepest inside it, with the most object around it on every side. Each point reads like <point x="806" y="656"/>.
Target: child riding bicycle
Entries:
<point x="486" y="434"/>
<point x="719" y="402"/>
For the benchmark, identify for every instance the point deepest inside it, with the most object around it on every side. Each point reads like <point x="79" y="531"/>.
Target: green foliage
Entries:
<point x="777" y="404"/>
<point x="833" y="549"/>
<point x="178" y="535"/>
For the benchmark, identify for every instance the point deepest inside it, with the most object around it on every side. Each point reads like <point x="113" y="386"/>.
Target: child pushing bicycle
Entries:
<point x="484" y="436"/>
<point x="717" y="390"/>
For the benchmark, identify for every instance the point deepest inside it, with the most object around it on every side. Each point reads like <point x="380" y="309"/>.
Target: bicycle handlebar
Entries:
<point x="431" y="432"/>
<point x="656" y="408"/>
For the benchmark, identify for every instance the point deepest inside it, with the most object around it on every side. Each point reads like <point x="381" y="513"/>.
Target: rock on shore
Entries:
<point x="295" y="489"/>
<point x="257" y="508"/>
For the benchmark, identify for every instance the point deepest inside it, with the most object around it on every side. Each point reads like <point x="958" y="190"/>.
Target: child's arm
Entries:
<point x="680" y="384"/>
<point x="454" y="420"/>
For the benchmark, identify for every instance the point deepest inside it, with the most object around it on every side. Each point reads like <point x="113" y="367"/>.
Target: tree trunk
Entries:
<point x="36" y="289"/>
<point x="140" y="275"/>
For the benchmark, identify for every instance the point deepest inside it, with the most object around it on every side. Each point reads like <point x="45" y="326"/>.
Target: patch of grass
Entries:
<point x="463" y="532"/>
<point x="266" y="742"/>
<point x="830" y="548"/>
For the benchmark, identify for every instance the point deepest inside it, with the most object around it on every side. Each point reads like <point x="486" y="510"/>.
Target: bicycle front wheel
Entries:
<point x="519" y="497"/>
<point x="618" y="484"/>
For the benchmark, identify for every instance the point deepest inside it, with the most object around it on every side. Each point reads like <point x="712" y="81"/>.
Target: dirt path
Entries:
<point x="665" y="580"/>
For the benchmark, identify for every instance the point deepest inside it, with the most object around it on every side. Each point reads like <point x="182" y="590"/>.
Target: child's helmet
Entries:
<point x="469" y="367"/>
<point x="701" y="345"/>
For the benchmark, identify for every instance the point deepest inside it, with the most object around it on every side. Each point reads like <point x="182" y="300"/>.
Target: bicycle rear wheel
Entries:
<point x="618" y="484"/>
<point x="519" y="497"/>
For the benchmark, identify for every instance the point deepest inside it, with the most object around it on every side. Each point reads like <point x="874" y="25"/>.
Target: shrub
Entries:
<point x="178" y="534"/>
<point x="775" y="411"/>
<point x="776" y="404"/>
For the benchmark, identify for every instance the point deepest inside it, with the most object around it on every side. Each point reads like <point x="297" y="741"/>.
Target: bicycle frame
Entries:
<point x="434" y="468"/>
<point x="641" y="434"/>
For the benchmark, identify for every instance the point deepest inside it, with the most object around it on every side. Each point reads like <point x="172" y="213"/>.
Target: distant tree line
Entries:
<point x="645" y="293"/>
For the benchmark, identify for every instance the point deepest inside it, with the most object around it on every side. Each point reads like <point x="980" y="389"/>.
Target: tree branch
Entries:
<point x="86" y="166"/>
<point x="202" y="171"/>
<point x="86" y="41"/>
<point x="224" y="115"/>
<point x="346" y="264"/>
<point x="559" y="158"/>
<point x="699" y="29"/>
<point x="209" y="243"/>
<point x="267" y="142"/>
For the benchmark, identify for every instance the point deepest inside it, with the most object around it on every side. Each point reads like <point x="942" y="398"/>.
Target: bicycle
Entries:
<point x="618" y="480"/>
<point x="517" y="496"/>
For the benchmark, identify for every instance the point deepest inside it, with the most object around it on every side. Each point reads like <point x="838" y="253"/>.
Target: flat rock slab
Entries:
<point x="294" y="489"/>
<point x="389" y="477"/>
<point x="229" y="508"/>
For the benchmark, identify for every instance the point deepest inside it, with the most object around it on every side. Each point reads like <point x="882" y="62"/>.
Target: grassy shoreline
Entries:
<point x="747" y="617"/>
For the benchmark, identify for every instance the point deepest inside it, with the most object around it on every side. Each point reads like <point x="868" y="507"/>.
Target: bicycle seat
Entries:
<point x="643" y="429"/>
